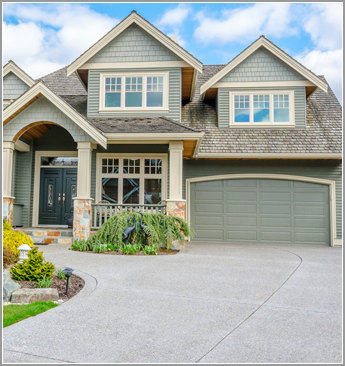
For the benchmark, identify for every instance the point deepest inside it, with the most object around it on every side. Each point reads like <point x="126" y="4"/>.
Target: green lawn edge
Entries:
<point x="15" y="313"/>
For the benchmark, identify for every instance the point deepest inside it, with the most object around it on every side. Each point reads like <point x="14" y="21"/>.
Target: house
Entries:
<point x="248" y="152"/>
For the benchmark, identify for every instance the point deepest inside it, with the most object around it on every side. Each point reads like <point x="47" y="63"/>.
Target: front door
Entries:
<point x="58" y="187"/>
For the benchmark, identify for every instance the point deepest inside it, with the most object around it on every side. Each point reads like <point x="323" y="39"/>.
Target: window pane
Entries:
<point x="133" y="99"/>
<point x="131" y="190"/>
<point x="155" y="99"/>
<point x="261" y="115"/>
<point x="281" y="108"/>
<point x="241" y="115"/>
<point x="153" y="191"/>
<point x="281" y="115"/>
<point x="110" y="189"/>
<point x="128" y="166"/>
<point x="59" y="161"/>
<point x="113" y="99"/>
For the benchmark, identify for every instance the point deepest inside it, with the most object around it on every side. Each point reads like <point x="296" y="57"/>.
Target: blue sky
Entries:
<point x="41" y="38"/>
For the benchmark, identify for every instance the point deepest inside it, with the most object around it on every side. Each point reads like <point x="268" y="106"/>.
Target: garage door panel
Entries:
<point x="241" y="208"/>
<point x="308" y="197"/>
<point x="209" y="234"/>
<point x="275" y="222"/>
<point x="309" y="223"/>
<point x="275" y="209"/>
<point x="274" y="183"/>
<point x="241" y="236"/>
<point x="308" y="186"/>
<point x="310" y="210"/>
<point x="276" y="236"/>
<point x="275" y="196"/>
<point x="211" y="183"/>
<point x="209" y="196"/>
<point x="209" y="207"/>
<point x="242" y="221"/>
<point x="241" y="183"/>
<point x="242" y="196"/>
<point x="213" y="221"/>
<point x="311" y="238"/>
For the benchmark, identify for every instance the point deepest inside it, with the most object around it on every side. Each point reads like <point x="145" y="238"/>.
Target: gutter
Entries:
<point x="325" y="156"/>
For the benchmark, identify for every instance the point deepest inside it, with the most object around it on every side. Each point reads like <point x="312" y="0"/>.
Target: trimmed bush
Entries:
<point x="35" y="268"/>
<point x="8" y="257"/>
<point x="13" y="240"/>
<point x="5" y="225"/>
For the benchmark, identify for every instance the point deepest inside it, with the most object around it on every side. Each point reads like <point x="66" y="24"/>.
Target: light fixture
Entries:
<point x="24" y="250"/>
<point x="68" y="273"/>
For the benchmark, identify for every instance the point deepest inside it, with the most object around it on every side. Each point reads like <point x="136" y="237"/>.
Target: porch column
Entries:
<point x="82" y="217"/>
<point x="176" y="205"/>
<point x="7" y="161"/>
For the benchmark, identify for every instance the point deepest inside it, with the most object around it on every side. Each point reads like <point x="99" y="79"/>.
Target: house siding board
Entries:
<point x="134" y="45"/>
<point x="224" y="101"/>
<point x="123" y="149"/>
<point x="262" y="65"/>
<point x="13" y="87"/>
<point x="331" y="170"/>
<point x="43" y="110"/>
<point x="174" y="94"/>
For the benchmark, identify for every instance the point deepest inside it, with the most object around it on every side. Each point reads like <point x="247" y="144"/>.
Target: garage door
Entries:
<point x="260" y="211"/>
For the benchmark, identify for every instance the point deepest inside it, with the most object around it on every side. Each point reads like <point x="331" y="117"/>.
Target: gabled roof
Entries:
<point x="149" y="28"/>
<point x="21" y="74"/>
<point x="264" y="42"/>
<point x="40" y="89"/>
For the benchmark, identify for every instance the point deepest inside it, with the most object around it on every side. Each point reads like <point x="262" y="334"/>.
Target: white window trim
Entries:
<point x="141" y="176"/>
<point x="253" y="124"/>
<point x="123" y="109"/>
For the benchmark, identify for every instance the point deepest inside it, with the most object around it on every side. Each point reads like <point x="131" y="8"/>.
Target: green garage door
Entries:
<point x="260" y="211"/>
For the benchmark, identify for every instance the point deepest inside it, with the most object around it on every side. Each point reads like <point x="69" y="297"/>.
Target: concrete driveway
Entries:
<point x="211" y="303"/>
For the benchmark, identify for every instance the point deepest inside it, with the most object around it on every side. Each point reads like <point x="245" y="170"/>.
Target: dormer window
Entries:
<point x="132" y="91"/>
<point x="262" y="108"/>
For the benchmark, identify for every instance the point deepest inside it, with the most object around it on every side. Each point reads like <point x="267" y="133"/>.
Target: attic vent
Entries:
<point x="174" y="39"/>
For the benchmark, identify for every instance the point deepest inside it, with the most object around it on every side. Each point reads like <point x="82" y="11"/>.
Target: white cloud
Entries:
<point x="175" y="17"/>
<point x="51" y="36"/>
<point x="327" y="63"/>
<point x="245" y="24"/>
<point x="324" y="23"/>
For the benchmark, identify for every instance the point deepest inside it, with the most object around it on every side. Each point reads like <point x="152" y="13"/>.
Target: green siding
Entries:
<point x="123" y="149"/>
<point x="174" y="94"/>
<point x="13" y="87"/>
<point x="223" y="112"/>
<point x="134" y="45"/>
<point x="331" y="170"/>
<point x="262" y="65"/>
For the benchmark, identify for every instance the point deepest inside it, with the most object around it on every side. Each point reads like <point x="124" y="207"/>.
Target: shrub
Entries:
<point x="61" y="274"/>
<point x="8" y="257"/>
<point x="6" y="225"/>
<point x="44" y="282"/>
<point x="80" y="245"/>
<point x="131" y="248"/>
<point x="34" y="268"/>
<point x="150" y="249"/>
<point x="13" y="240"/>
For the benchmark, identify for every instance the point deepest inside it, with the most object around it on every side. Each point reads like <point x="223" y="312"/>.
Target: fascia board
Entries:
<point x="270" y="156"/>
<point x="59" y="103"/>
<point x="21" y="146"/>
<point x="10" y="67"/>
<point x="154" y="136"/>
<point x="274" y="50"/>
<point x="133" y="18"/>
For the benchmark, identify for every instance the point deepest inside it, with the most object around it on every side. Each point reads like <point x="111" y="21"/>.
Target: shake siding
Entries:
<point x="223" y="101"/>
<point x="174" y="94"/>
<point x="331" y="170"/>
<point x="13" y="87"/>
<point x="134" y="45"/>
<point x="262" y="65"/>
<point x="130" y="149"/>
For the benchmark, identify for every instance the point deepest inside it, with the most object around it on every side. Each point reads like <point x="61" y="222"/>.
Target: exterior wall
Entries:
<point x="223" y="112"/>
<point x="174" y="94"/>
<point x="330" y="169"/>
<point x="130" y="149"/>
<point x="13" y="87"/>
<point x="43" y="110"/>
<point x="262" y="65"/>
<point x="134" y="45"/>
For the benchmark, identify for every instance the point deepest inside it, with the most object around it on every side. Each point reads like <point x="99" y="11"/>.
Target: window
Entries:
<point x="130" y="92"/>
<point x="131" y="179"/>
<point x="262" y="108"/>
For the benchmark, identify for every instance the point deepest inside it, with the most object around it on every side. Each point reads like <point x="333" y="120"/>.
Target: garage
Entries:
<point x="260" y="211"/>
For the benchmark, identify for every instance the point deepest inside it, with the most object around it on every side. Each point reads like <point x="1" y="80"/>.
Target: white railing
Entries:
<point x="101" y="212"/>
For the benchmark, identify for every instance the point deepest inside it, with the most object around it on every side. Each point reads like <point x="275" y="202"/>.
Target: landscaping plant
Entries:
<point x="34" y="268"/>
<point x="44" y="282"/>
<point x="8" y="257"/>
<point x="150" y="249"/>
<point x="13" y="240"/>
<point x="61" y="274"/>
<point x="131" y="248"/>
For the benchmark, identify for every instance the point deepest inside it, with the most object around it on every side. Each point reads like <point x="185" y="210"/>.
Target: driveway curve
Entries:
<point x="211" y="303"/>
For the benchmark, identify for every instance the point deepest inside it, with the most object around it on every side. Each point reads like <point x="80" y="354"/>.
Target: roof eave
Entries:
<point x="12" y="67"/>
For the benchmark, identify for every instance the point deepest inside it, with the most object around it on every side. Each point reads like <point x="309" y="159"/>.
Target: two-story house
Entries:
<point x="248" y="152"/>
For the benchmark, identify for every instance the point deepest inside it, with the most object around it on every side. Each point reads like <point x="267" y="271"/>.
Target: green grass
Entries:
<point x="15" y="313"/>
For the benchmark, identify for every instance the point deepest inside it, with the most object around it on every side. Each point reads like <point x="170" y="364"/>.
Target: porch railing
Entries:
<point x="101" y="212"/>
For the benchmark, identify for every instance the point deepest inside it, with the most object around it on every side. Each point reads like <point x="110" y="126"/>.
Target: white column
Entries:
<point x="7" y="161"/>
<point x="84" y="170"/>
<point x="176" y="169"/>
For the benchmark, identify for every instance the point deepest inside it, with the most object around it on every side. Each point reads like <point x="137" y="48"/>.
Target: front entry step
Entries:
<point x="49" y="235"/>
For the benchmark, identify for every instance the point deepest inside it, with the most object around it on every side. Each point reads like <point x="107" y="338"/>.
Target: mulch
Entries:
<point x="74" y="286"/>
<point x="160" y="252"/>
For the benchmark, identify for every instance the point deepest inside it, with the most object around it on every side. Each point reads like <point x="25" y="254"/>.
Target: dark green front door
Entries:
<point x="58" y="187"/>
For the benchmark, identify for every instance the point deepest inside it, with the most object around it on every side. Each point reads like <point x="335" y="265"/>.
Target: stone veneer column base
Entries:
<point x="178" y="209"/>
<point x="82" y="219"/>
<point x="7" y="209"/>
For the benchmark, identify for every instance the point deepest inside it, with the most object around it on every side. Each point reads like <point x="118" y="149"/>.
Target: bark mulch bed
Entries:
<point x="160" y="252"/>
<point x="74" y="286"/>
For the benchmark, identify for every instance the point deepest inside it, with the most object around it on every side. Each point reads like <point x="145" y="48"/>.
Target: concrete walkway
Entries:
<point x="212" y="303"/>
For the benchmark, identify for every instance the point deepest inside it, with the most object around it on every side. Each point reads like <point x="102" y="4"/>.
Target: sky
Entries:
<point x="43" y="37"/>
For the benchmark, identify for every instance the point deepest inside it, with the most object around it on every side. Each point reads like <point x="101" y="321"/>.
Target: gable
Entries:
<point x="134" y="45"/>
<point x="262" y="65"/>
<point x="13" y="86"/>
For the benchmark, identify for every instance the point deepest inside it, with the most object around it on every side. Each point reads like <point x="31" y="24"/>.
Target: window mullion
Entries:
<point x="271" y="109"/>
<point x="120" y="186"/>
<point x="251" y="109"/>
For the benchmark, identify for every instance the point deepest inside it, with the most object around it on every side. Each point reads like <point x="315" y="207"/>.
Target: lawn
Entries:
<point x="14" y="313"/>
